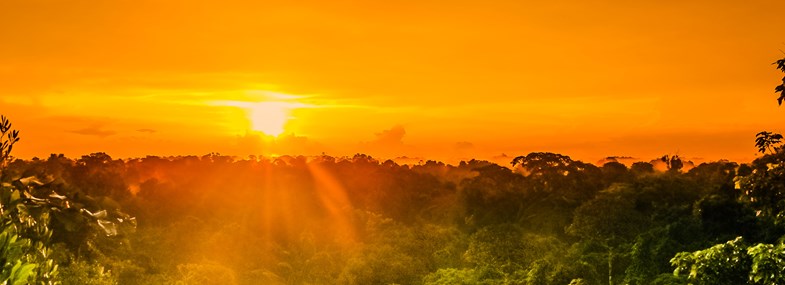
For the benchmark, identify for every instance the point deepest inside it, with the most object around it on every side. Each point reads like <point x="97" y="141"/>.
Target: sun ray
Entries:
<point x="335" y="200"/>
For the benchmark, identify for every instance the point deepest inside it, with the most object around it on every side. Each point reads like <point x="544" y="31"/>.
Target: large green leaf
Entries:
<point x="20" y="273"/>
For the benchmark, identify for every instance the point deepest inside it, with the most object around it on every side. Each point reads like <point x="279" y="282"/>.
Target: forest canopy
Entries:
<point x="355" y="220"/>
<point x="545" y="219"/>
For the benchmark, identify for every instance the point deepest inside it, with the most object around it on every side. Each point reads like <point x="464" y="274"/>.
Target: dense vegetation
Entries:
<point x="324" y="220"/>
<point x="547" y="219"/>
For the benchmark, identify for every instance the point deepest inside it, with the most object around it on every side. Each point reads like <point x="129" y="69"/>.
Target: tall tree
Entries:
<point x="768" y="140"/>
<point x="611" y="220"/>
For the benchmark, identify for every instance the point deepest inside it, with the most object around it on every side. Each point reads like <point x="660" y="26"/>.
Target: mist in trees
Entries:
<point x="355" y="220"/>
<point x="545" y="219"/>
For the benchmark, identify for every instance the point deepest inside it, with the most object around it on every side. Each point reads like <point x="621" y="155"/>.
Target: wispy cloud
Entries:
<point x="149" y="131"/>
<point x="94" y="131"/>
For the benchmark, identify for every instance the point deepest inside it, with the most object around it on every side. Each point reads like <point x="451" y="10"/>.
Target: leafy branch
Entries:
<point x="768" y="141"/>
<point x="780" y="88"/>
<point x="8" y="137"/>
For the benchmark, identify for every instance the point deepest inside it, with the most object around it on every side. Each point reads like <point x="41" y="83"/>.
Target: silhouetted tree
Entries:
<point x="767" y="141"/>
<point x="8" y="137"/>
<point x="674" y="162"/>
<point x="615" y="172"/>
<point x="780" y="88"/>
<point x="642" y="167"/>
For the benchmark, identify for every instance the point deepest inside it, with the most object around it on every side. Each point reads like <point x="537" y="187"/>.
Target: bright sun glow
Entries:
<point x="269" y="117"/>
<point x="265" y="111"/>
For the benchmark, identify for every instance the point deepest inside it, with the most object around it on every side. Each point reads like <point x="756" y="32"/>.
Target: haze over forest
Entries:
<point x="407" y="142"/>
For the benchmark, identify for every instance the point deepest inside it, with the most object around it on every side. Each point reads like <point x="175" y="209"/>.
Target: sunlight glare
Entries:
<point x="269" y="117"/>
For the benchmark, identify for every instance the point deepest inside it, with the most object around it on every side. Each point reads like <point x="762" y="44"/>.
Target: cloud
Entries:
<point x="388" y="144"/>
<point x="464" y="145"/>
<point x="623" y="159"/>
<point x="393" y="136"/>
<point x="149" y="131"/>
<point x="94" y="131"/>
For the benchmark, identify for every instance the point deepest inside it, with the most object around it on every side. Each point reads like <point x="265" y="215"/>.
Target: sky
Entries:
<point x="446" y="80"/>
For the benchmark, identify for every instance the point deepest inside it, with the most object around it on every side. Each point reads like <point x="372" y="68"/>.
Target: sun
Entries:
<point x="269" y="117"/>
<point x="270" y="113"/>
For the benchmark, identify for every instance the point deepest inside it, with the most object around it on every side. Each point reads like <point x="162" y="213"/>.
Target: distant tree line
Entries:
<point x="545" y="219"/>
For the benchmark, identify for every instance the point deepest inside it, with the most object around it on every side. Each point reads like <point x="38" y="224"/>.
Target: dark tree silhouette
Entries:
<point x="8" y="138"/>
<point x="674" y="162"/>
<point x="780" y="88"/>
<point x="765" y="140"/>
<point x="768" y="141"/>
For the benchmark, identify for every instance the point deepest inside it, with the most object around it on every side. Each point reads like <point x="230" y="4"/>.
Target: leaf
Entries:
<point x="110" y="228"/>
<point x="99" y="215"/>
<point x="15" y="268"/>
<point x="15" y="196"/>
<point x="21" y="276"/>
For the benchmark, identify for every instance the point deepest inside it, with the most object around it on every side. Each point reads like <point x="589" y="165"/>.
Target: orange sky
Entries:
<point x="436" y="79"/>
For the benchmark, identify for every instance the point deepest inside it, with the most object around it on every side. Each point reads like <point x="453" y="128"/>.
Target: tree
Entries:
<point x="642" y="167"/>
<point x="33" y="214"/>
<point x="674" y="163"/>
<point x="726" y="263"/>
<point x="24" y="226"/>
<point x="733" y="263"/>
<point x="780" y="88"/>
<point x="611" y="220"/>
<point x="615" y="172"/>
<point x="767" y="141"/>
<point x="764" y="187"/>
<point x="8" y="137"/>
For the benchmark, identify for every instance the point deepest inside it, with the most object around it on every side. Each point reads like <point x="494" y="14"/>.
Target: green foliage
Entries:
<point x="205" y="274"/>
<point x="507" y="248"/>
<point x="733" y="262"/>
<point x="764" y="188"/>
<point x="15" y="253"/>
<point x="668" y="279"/>
<point x="450" y="276"/>
<point x="560" y="267"/>
<point x="610" y="219"/>
<point x="768" y="262"/>
<point x="86" y="273"/>
<point x="381" y="265"/>
<point x="33" y="216"/>
<point x="485" y="275"/>
<point x="645" y="258"/>
<point x="24" y="241"/>
<point x="220" y="220"/>
<point x="355" y="220"/>
<point x="726" y="263"/>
